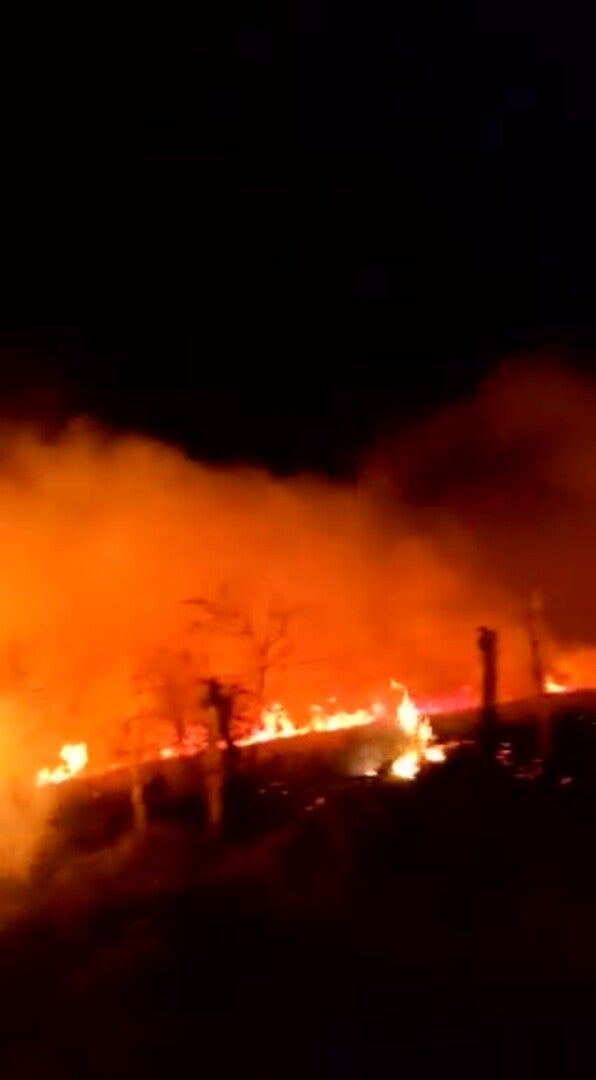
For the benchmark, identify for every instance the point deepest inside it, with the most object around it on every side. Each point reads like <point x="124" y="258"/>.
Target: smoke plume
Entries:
<point x="504" y="484"/>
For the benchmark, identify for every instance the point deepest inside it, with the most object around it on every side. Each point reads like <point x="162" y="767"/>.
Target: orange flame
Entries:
<point x="406" y="766"/>
<point x="276" y="723"/>
<point x="418" y="730"/>
<point x="553" y="687"/>
<point x="74" y="757"/>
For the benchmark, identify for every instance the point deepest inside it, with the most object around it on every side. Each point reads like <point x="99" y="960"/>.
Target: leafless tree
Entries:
<point x="264" y="627"/>
<point x="172" y="678"/>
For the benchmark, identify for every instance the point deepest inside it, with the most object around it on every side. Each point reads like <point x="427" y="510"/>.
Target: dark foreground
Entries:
<point x="444" y="926"/>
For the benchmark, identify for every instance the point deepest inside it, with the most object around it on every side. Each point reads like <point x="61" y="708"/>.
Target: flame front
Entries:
<point x="276" y="723"/>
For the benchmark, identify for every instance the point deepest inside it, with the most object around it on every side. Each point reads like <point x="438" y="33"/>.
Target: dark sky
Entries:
<point x="267" y="238"/>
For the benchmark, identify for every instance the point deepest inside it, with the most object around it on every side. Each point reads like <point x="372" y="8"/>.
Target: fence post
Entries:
<point x="487" y="643"/>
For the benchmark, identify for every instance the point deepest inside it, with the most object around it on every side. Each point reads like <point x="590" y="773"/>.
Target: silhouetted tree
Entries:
<point x="172" y="679"/>
<point x="262" y="626"/>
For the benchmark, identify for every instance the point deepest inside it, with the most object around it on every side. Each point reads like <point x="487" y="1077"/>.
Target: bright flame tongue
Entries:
<point x="418" y="730"/>
<point x="74" y="756"/>
<point x="408" y="717"/>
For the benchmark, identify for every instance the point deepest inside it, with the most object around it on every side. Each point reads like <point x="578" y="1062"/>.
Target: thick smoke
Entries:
<point x="128" y="572"/>
<point x="505" y="485"/>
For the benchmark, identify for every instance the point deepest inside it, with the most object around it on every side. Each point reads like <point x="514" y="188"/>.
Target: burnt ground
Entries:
<point x="447" y="925"/>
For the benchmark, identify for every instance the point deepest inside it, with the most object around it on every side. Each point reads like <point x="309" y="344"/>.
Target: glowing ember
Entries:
<point x="74" y="756"/>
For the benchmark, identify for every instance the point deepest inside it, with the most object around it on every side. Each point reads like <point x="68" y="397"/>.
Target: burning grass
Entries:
<point x="412" y="729"/>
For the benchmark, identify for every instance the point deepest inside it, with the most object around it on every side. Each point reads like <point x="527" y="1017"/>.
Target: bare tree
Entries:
<point x="263" y="627"/>
<point x="172" y="677"/>
<point x="132" y="739"/>
<point x="135" y="738"/>
<point x="139" y="812"/>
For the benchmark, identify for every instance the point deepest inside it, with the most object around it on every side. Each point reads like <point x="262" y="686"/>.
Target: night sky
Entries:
<point x="270" y="239"/>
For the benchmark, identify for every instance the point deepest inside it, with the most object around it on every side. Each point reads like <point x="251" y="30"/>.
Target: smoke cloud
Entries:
<point x="505" y="485"/>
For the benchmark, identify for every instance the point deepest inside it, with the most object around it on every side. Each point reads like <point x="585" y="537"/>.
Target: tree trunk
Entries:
<point x="487" y="643"/>
<point x="136" y="790"/>
<point x="537" y="648"/>
<point x="260" y="685"/>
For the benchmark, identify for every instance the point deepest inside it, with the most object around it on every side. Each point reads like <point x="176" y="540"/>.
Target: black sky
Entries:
<point x="268" y="237"/>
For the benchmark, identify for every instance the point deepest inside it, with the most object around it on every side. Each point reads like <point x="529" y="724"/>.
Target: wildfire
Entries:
<point x="276" y="723"/>
<point x="74" y="758"/>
